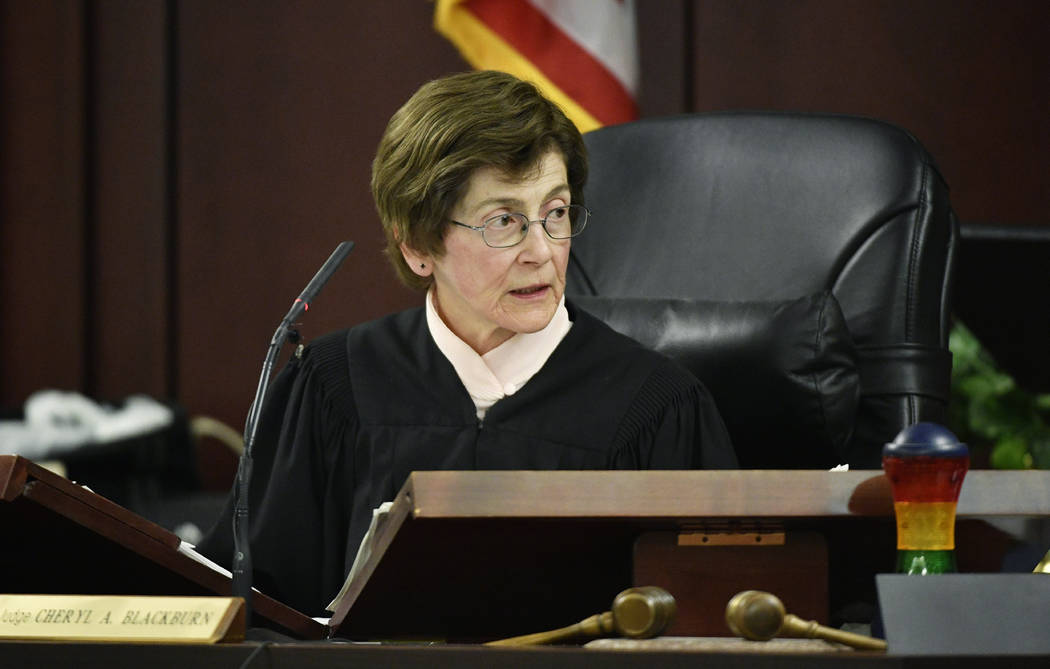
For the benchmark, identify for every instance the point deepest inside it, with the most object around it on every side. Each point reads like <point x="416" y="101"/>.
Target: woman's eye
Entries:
<point x="557" y="213"/>
<point x="501" y="222"/>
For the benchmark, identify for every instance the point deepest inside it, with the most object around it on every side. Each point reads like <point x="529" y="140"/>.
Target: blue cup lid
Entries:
<point x="929" y="439"/>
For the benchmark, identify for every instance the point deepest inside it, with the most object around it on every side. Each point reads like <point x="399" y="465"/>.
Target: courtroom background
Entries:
<point x="173" y="173"/>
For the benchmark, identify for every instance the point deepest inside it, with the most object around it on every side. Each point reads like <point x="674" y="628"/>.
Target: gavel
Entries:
<point x="638" y="613"/>
<point x="760" y="616"/>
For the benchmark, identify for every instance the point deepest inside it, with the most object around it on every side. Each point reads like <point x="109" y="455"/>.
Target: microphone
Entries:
<point x="302" y="303"/>
<point x="638" y="613"/>
<point x="760" y="616"/>
<point x="242" y="560"/>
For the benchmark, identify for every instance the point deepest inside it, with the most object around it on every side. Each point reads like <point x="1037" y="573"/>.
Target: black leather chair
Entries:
<point x="799" y="264"/>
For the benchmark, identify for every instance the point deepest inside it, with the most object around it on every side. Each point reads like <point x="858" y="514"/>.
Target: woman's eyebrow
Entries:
<point x="513" y="202"/>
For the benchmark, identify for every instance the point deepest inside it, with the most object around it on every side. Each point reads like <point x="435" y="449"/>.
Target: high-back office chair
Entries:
<point x="799" y="264"/>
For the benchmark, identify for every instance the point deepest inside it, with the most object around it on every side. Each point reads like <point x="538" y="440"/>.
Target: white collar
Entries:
<point x="505" y="369"/>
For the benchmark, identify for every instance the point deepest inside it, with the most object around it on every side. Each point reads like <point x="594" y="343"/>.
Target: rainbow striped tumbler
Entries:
<point x="925" y="464"/>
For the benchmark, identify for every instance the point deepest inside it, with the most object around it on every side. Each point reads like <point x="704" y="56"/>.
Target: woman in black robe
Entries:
<point x="478" y="181"/>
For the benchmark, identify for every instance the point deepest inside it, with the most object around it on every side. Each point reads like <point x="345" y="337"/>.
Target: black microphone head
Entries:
<point x="302" y="303"/>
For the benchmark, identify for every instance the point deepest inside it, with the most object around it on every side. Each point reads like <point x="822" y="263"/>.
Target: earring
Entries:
<point x="422" y="265"/>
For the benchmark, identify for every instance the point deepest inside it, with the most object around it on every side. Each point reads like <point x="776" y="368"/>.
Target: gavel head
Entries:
<point x="644" y="612"/>
<point x="755" y="615"/>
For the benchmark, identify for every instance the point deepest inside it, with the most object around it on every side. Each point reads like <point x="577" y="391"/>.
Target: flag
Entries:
<point x="582" y="54"/>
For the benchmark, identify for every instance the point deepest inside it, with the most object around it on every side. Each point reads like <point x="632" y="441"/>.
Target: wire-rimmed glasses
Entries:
<point x="505" y="230"/>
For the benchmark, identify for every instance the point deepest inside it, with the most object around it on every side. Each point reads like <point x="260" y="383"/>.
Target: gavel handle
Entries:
<point x="810" y="629"/>
<point x="596" y="625"/>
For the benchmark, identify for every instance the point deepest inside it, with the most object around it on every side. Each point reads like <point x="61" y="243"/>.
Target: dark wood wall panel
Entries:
<point x="128" y="316"/>
<point x="280" y="109"/>
<point x="664" y="57"/>
<point x="42" y="233"/>
<point x="969" y="79"/>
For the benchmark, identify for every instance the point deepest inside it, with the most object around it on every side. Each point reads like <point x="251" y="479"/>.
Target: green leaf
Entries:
<point x="1039" y="448"/>
<point x="987" y="406"/>
<point x="1011" y="453"/>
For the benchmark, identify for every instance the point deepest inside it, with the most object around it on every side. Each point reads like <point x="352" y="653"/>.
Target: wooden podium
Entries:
<point x="481" y="555"/>
<point x="60" y="538"/>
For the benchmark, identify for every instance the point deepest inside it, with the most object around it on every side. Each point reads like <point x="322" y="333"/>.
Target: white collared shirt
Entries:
<point x="505" y="369"/>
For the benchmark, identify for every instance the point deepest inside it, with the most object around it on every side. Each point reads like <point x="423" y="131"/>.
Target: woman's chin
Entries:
<point x="530" y="318"/>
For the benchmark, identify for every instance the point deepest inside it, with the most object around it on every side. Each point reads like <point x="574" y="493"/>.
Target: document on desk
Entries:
<point x="364" y="551"/>
<point x="190" y="551"/>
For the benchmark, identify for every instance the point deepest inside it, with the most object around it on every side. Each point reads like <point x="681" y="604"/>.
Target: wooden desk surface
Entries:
<point x="324" y="655"/>
<point x="704" y="494"/>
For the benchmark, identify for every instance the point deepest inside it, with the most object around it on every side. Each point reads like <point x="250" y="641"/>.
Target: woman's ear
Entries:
<point x="419" y="263"/>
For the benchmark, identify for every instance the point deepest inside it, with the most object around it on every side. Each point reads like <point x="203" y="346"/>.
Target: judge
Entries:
<point x="478" y="181"/>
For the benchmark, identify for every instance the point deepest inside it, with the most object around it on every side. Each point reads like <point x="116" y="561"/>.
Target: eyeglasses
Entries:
<point x="505" y="230"/>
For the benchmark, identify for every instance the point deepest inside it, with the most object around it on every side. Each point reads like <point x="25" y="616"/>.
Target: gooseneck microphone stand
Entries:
<point x="242" y="559"/>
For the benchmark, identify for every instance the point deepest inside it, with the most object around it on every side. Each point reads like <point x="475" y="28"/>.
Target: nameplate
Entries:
<point x="122" y="618"/>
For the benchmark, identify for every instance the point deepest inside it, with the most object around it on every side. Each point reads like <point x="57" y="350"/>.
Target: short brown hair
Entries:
<point x="449" y="128"/>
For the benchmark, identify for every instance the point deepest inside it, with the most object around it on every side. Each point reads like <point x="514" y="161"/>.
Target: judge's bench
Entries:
<point x="461" y="558"/>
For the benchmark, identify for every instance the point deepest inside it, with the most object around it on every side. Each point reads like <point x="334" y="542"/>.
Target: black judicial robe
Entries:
<point x="347" y="421"/>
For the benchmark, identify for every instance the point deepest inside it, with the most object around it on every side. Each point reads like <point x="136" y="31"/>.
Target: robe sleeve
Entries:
<point x="673" y="424"/>
<point x="298" y="537"/>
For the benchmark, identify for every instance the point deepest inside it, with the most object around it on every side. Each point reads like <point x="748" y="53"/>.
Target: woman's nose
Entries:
<point x="536" y="247"/>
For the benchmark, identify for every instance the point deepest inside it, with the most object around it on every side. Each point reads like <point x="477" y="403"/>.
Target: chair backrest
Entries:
<point x="767" y="208"/>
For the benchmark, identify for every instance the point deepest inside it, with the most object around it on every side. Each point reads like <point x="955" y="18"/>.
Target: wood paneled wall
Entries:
<point x="43" y="227"/>
<point x="969" y="78"/>
<point x="174" y="172"/>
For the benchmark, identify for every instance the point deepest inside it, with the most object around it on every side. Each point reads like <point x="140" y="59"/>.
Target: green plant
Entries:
<point x="989" y="411"/>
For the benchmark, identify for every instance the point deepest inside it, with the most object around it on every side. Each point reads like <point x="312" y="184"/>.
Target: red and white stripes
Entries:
<point x="582" y="53"/>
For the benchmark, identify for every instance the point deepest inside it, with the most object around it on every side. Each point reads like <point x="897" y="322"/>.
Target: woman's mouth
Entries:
<point x="529" y="291"/>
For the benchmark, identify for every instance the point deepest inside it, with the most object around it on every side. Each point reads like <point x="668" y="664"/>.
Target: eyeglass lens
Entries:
<point x="560" y="223"/>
